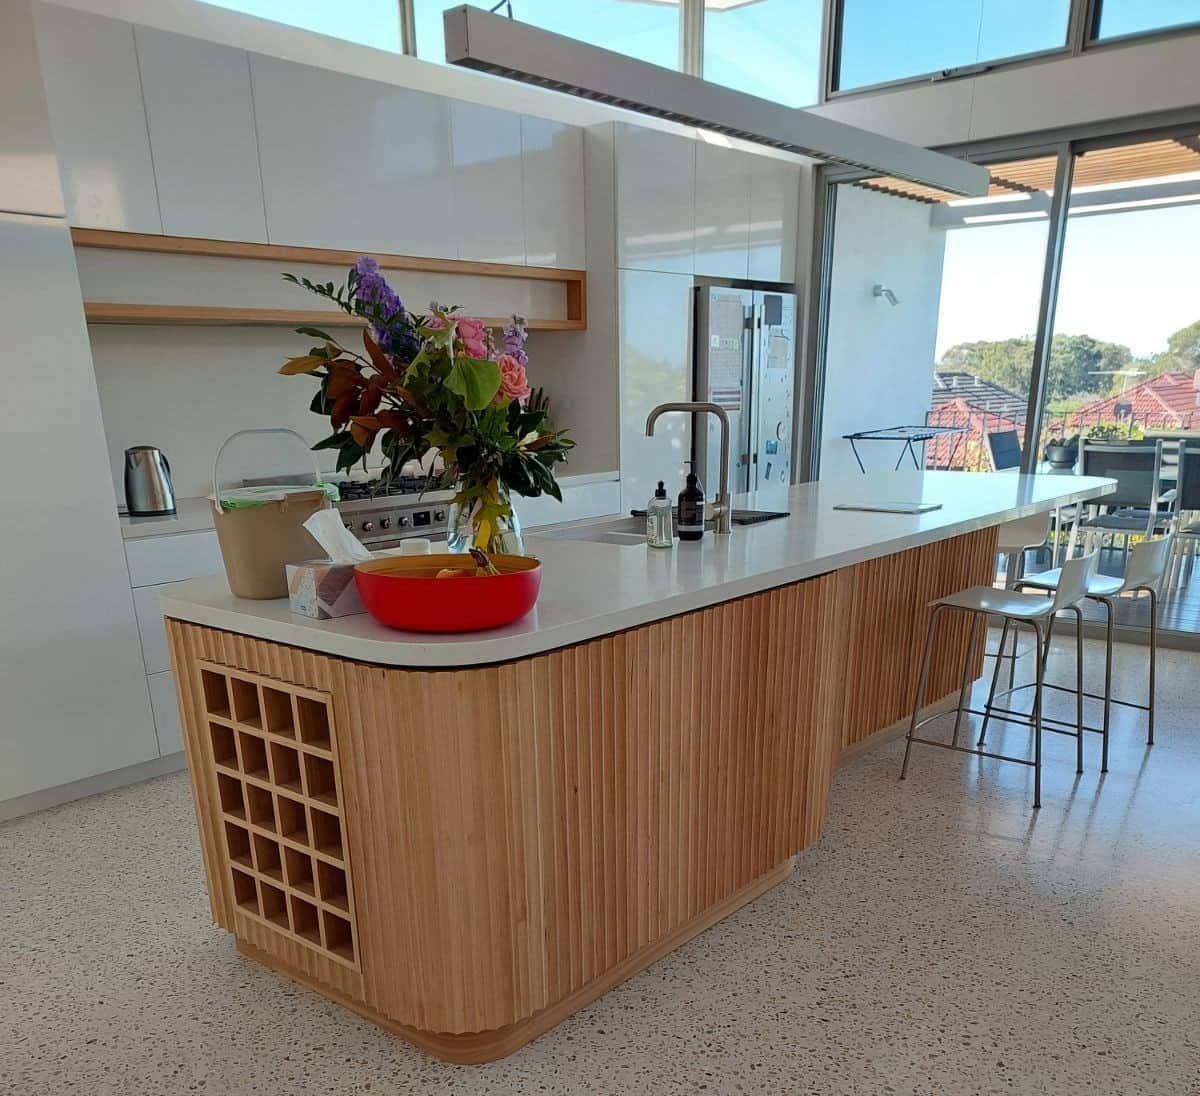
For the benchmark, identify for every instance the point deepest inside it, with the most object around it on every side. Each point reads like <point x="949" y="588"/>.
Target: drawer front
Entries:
<point x="166" y="712"/>
<point x="172" y="558"/>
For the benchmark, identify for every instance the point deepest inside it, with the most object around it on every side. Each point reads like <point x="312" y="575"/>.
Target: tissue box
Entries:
<point x="321" y="589"/>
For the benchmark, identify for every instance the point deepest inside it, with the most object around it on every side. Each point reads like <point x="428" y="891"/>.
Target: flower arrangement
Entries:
<point x="433" y="382"/>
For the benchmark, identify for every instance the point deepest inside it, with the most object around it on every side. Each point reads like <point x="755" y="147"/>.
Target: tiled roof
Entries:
<point x="978" y="393"/>
<point x="1167" y="396"/>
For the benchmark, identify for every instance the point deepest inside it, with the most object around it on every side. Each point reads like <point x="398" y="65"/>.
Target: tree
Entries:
<point x="1183" y="352"/>
<point x="1078" y="363"/>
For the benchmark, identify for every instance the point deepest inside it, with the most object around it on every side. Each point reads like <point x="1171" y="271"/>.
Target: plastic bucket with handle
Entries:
<point x="260" y="529"/>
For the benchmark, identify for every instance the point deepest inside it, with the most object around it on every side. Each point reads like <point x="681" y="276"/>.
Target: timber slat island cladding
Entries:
<point x="519" y="837"/>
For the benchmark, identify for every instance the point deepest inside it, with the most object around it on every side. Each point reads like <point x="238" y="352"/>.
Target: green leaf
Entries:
<point x="335" y="441"/>
<point x="313" y="332"/>
<point x="477" y="382"/>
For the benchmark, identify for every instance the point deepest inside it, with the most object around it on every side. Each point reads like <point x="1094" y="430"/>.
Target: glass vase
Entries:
<point x="490" y="504"/>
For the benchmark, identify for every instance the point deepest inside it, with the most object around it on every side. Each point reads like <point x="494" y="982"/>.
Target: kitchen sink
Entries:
<point x="632" y="530"/>
<point x="615" y="531"/>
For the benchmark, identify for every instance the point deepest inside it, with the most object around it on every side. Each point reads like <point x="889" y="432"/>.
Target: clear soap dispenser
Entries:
<point x="659" y="533"/>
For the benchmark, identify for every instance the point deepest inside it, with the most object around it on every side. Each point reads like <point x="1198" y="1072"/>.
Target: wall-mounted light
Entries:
<point x="882" y="290"/>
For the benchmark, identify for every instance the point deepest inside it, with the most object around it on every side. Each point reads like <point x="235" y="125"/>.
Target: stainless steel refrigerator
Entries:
<point x="745" y="361"/>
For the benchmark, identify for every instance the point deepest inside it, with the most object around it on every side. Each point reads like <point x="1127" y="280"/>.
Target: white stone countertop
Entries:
<point x="592" y="589"/>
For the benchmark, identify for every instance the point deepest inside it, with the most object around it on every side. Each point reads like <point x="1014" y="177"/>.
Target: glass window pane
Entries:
<point x="648" y="31"/>
<point x="769" y="48"/>
<point x="368" y="22"/>
<point x="885" y="40"/>
<point x="1118" y="17"/>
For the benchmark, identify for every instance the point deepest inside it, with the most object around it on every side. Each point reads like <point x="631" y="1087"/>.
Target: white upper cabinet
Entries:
<point x="489" y="202"/>
<point x="656" y="200"/>
<point x="89" y="65"/>
<point x="552" y="156"/>
<point x="774" y="218"/>
<point x="201" y="118"/>
<point x="722" y="211"/>
<point x="29" y="180"/>
<point x="353" y="164"/>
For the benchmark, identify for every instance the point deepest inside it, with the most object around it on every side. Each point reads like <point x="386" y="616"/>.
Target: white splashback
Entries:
<point x="187" y="389"/>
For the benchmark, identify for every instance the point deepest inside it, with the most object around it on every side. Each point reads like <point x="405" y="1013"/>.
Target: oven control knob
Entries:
<point x="368" y="526"/>
<point x="385" y="523"/>
<point x="439" y="515"/>
<point x="349" y="525"/>
<point x="402" y="521"/>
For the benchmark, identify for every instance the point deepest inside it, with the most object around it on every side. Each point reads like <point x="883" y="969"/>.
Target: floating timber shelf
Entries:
<point x="112" y="312"/>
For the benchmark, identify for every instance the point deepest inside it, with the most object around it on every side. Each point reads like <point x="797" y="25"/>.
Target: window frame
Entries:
<point x="1083" y="25"/>
<point x="832" y="61"/>
<point x="1094" y="41"/>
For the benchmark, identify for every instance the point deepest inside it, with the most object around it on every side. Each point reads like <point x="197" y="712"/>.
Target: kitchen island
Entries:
<point x="467" y="838"/>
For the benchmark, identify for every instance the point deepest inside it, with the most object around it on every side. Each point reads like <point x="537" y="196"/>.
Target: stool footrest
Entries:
<point x="968" y="750"/>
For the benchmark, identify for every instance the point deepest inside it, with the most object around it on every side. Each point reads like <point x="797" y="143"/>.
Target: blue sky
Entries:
<point x="1127" y="277"/>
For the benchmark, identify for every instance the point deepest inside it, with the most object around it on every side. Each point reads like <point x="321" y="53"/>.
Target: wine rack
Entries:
<point x="273" y="756"/>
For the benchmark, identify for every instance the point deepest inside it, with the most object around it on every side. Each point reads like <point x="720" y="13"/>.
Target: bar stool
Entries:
<point x="1016" y="608"/>
<point x="1146" y="572"/>
<point x="1014" y="540"/>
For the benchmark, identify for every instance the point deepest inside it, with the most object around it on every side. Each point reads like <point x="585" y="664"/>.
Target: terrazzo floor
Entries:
<point x="941" y="938"/>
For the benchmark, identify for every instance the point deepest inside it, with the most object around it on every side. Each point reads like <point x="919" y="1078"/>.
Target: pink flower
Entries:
<point x="513" y="383"/>
<point x="472" y="336"/>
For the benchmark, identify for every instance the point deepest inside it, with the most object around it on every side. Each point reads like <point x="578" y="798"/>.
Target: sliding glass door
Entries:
<point x="1021" y="330"/>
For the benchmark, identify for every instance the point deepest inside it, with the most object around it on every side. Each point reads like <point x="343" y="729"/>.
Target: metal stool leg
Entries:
<point x="987" y="708"/>
<point x="1108" y="660"/>
<point x="1078" y="689"/>
<point x="921" y="680"/>
<point x="1041" y="646"/>
<point x="1153" y="661"/>
<point x="965" y="688"/>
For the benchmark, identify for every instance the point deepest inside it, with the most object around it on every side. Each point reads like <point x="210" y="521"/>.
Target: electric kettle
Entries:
<point x="148" y="490"/>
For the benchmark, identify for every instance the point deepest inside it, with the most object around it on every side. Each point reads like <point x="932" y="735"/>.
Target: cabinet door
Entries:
<point x="201" y="121"/>
<point x="722" y="211"/>
<point x="165" y="705"/>
<point x="656" y="200"/>
<point x="89" y="65"/>
<point x="552" y="157"/>
<point x="656" y="367"/>
<point x="353" y="164"/>
<point x="489" y="206"/>
<point x="774" y="217"/>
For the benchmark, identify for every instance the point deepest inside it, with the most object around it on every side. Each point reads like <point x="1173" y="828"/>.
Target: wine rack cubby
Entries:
<point x="273" y="756"/>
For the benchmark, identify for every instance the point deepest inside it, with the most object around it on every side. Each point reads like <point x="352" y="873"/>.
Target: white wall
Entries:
<point x="73" y="699"/>
<point x="880" y="359"/>
<point x="1114" y="82"/>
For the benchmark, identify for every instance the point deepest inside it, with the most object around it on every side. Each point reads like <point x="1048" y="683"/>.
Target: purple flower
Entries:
<point x="514" y="336"/>
<point x="391" y="327"/>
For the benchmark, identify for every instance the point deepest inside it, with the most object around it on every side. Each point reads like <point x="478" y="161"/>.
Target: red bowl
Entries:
<point x="403" y="592"/>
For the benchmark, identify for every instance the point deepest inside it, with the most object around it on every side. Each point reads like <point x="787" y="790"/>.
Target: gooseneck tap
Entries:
<point x="721" y="510"/>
